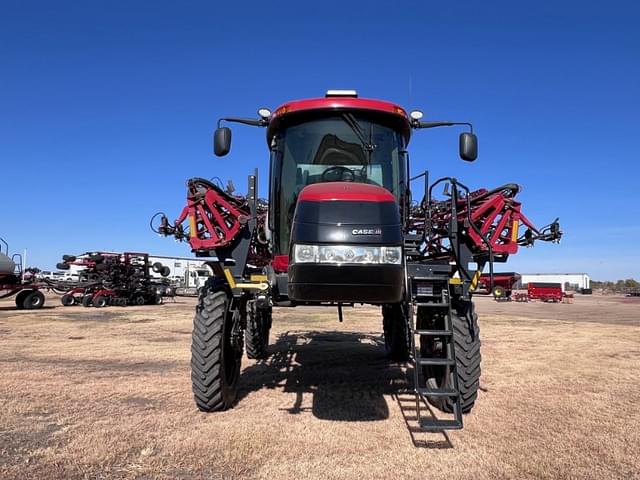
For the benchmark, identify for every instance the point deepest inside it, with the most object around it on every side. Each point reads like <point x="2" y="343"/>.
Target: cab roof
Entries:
<point x="296" y="108"/>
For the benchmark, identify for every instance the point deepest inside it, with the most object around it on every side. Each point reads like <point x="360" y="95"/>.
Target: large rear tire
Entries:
<point x="466" y="337"/>
<point x="87" y="300"/>
<point x="215" y="360"/>
<point x="20" y="298"/>
<point x="100" y="301"/>
<point x="34" y="300"/>
<point x="257" y="332"/>
<point x="397" y="339"/>
<point x="67" y="300"/>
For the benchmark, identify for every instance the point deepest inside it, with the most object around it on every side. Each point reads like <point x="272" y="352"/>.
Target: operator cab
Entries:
<point x="338" y="178"/>
<point x="346" y="141"/>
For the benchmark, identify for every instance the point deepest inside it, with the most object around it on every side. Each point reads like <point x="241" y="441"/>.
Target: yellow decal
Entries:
<point x="257" y="286"/>
<point x="193" y="233"/>
<point x="229" y="277"/>
<point x="475" y="279"/>
<point x="514" y="232"/>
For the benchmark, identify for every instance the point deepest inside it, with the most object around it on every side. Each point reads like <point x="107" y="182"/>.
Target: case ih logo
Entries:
<point x="366" y="231"/>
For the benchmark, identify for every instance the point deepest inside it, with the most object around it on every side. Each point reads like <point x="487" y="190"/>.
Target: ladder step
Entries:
<point x="433" y="304"/>
<point x="435" y="425"/>
<point x="435" y="333"/>
<point x="438" y="392"/>
<point x="434" y="361"/>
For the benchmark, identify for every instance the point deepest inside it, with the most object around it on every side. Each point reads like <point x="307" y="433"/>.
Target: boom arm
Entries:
<point x="488" y="219"/>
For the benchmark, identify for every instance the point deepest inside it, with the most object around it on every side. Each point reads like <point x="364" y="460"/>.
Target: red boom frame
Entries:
<point x="496" y="216"/>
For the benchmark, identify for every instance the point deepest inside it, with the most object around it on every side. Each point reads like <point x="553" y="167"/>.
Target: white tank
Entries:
<point x="7" y="266"/>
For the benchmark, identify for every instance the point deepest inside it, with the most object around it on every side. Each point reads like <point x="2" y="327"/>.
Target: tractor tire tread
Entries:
<point x="206" y="352"/>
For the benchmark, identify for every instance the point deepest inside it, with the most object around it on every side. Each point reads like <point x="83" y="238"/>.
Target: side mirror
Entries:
<point x="468" y="146"/>
<point x="222" y="141"/>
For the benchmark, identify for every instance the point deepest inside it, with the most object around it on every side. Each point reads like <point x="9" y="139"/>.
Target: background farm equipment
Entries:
<point x="545" y="292"/>
<point x="503" y="285"/>
<point x="114" y="279"/>
<point x="340" y="228"/>
<point x="14" y="280"/>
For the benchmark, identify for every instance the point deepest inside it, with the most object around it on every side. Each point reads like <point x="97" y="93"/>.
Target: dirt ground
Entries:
<point x="105" y="393"/>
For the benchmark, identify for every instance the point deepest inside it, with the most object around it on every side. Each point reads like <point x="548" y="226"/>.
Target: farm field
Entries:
<point x="106" y="393"/>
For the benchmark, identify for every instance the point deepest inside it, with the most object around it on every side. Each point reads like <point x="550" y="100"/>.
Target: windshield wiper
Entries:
<point x="350" y="120"/>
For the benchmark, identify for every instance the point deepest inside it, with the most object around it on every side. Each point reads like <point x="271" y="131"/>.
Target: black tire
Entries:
<point x="87" y="300"/>
<point x="466" y="336"/>
<point x="165" y="271"/>
<point x="256" y="336"/>
<point x="157" y="300"/>
<point x="499" y="293"/>
<point x="20" y="298"/>
<point x="63" y="266"/>
<point x="139" y="300"/>
<point x="215" y="363"/>
<point x="157" y="267"/>
<point x="397" y="339"/>
<point x="67" y="300"/>
<point x="34" y="300"/>
<point x="100" y="301"/>
<point x="68" y="258"/>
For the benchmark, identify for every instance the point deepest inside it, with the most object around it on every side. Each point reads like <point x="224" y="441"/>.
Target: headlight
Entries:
<point x="351" y="254"/>
<point x="305" y="253"/>
<point x="392" y="255"/>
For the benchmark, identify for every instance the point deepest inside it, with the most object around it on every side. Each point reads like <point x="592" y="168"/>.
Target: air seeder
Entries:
<point x="341" y="227"/>
<point x="107" y="278"/>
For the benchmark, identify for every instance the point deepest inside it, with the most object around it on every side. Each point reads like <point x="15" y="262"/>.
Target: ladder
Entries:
<point x="429" y="287"/>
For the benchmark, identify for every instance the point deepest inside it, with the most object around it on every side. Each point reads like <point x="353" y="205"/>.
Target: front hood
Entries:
<point x="346" y="191"/>
<point x="345" y="212"/>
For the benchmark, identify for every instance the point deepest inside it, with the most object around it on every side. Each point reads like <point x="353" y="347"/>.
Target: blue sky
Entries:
<point x="106" y="108"/>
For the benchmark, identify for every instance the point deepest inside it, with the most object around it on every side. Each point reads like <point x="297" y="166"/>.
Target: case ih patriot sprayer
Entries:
<point x="340" y="227"/>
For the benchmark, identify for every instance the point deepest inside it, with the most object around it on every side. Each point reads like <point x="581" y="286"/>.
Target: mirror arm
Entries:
<point x="418" y="124"/>
<point x="262" y="122"/>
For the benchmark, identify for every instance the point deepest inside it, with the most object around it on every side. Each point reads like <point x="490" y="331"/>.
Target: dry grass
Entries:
<point x="88" y="393"/>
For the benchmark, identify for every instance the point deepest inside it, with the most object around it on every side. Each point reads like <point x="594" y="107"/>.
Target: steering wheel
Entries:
<point x="341" y="174"/>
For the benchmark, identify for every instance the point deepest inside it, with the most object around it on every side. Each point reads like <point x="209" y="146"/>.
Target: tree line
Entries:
<point x="617" y="286"/>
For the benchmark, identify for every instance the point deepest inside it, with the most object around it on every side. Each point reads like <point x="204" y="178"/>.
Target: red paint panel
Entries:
<point x="340" y="102"/>
<point x="345" y="191"/>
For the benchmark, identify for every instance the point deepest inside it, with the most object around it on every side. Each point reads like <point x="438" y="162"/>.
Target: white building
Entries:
<point x="577" y="281"/>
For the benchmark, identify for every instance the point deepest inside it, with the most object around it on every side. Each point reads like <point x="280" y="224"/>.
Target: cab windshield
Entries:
<point x="338" y="148"/>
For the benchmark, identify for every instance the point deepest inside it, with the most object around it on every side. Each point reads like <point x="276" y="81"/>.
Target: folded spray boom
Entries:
<point x="490" y="220"/>
<point x="215" y="219"/>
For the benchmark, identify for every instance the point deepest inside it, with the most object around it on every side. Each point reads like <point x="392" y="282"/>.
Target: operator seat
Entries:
<point x="333" y="151"/>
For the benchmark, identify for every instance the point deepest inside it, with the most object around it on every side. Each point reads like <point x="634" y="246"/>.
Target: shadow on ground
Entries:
<point x="347" y="374"/>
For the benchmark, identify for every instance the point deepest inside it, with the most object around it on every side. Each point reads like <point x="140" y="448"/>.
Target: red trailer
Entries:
<point x="503" y="284"/>
<point x="547" y="292"/>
